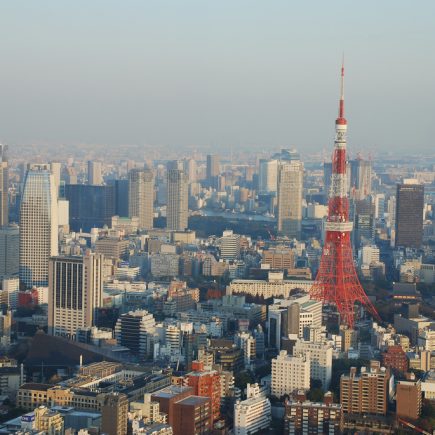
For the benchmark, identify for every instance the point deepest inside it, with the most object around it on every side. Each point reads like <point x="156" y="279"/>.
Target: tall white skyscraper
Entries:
<point x="190" y="168"/>
<point x="55" y="170"/>
<point x="38" y="225"/>
<point x="4" y="186"/>
<point x="95" y="176"/>
<point x="75" y="291"/>
<point x="141" y="196"/>
<point x="177" y="210"/>
<point x="290" y="189"/>
<point x="268" y="176"/>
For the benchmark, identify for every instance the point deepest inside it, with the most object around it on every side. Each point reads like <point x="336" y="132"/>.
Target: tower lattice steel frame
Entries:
<point x="337" y="282"/>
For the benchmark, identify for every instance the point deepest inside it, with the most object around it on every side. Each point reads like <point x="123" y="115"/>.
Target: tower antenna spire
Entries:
<point x="341" y="109"/>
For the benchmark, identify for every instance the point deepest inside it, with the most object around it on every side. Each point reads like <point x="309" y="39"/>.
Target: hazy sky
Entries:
<point x="260" y="73"/>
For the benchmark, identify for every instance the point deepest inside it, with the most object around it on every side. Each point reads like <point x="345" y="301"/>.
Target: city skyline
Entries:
<point x="225" y="75"/>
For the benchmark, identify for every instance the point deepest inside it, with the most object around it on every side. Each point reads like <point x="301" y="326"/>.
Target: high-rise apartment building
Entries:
<point x="366" y="393"/>
<point x="290" y="373"/>
<point x="95" y="177"/>
<point x="141" y="196"/>
<point x="114" y="414"/>
<point x="4" y="186"/>
<point x="177" y="210"/>
<point x="305" y="417"/>
<point x="38" y="225"/>
<point x="9" y="251"/>
<point x="206" y="383"/>
<point x="290" y="186"/>
<point x="75" y="292"/>
<point x="409" y="214"/>
<point x="213" y="169"/>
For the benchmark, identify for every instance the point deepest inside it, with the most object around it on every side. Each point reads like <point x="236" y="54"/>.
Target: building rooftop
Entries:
<point x="35" y="386"/>
<point x="171" y="391"/>
<point x="193" y="400"/>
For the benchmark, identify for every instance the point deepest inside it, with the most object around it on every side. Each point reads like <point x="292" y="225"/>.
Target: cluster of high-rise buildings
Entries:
<point x="217" y="295"/>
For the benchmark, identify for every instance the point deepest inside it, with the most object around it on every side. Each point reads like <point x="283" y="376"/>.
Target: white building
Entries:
<point x="268" y="176"/>
<point x="426" y="340"/>
<point x="368" y="255"/>
<point x="246" y="342"/>
<point x="274" y="287"/>
<point x="38" y="225"/>
<point x="292" y="316"/>
<point x="10" y="288"/>
<point x="290" y="373"/>
<point x="320" y="360"/>
<point x="229" y="245"/>
<point x="253" y="414"/>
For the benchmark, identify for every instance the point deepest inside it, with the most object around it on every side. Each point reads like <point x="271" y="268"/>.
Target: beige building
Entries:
<point x="279" y="258"/>
<point x="290" y="187"/>
<point x="141" y="196"/>
<point x="49" y="421"/>
<point x="75" y="291"/>
<point x="177" y="210"/>
<point x="112" y="247"/>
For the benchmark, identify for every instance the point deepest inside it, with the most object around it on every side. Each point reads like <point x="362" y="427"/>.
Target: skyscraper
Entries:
<point x="141" y="196"/>
<point x="90" y="206"/>
<point x="212" y="169"/>
<point x="4" y="186"/>
<point x="361" y="178"/>
<point x="9" y="251"/>
<point x="177" y="205"/>
<point x="95" y="177"/>
<point x="75" y="291"/>
<point x="55" y="168"/>
<point x="38" y="225"/>
<point x="268" y="176"/>
<point x="409" y="214"/>
<point x="290" y="186"/>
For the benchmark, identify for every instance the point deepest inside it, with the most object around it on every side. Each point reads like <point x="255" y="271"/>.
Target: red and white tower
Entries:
<point x="337" y="282"/>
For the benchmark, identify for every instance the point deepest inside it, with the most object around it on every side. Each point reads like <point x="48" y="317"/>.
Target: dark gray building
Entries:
<point x="409" y="215"/>
<point x="90" y="206"/>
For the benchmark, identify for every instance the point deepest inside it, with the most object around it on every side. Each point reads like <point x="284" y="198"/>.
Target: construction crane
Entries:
<point x="413" y="426"/>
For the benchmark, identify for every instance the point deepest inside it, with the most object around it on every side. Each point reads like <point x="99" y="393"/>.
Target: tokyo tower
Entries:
<point x="337" y="282"/>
